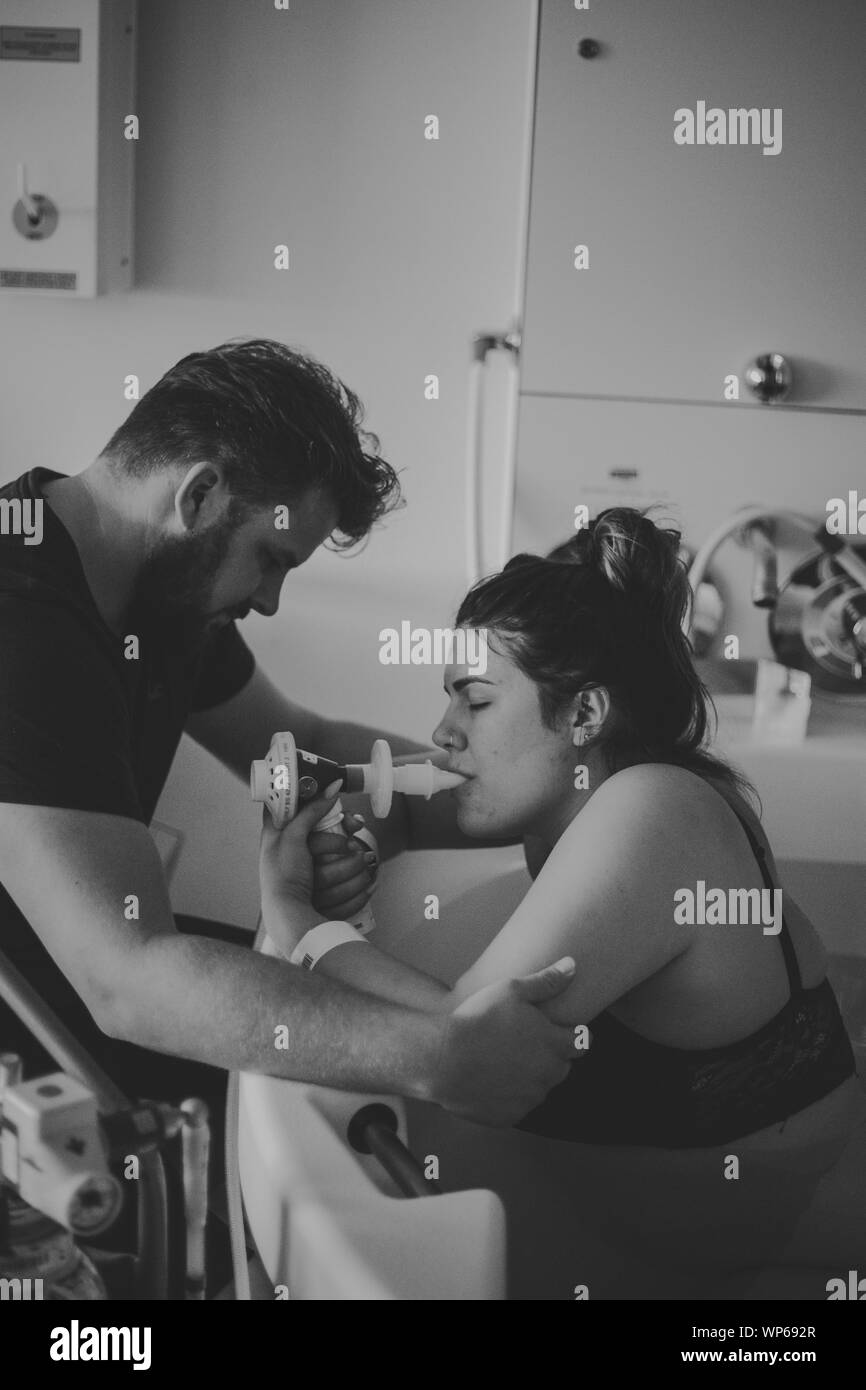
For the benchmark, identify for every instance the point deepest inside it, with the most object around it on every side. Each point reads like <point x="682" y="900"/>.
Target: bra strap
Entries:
<point x="792" y="965"/>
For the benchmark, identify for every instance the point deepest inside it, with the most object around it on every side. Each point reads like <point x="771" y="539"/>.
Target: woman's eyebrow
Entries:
<point x="467" y="680"/>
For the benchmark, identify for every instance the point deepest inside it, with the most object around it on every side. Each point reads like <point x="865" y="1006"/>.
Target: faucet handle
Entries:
<point x="760" y="537"/>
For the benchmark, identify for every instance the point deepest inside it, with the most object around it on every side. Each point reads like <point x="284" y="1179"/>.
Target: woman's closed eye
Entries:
<point x="480" y="704"/>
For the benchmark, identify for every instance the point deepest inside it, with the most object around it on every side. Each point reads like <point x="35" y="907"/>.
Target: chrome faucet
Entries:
<point x="832" y="621"/>
<point x="760" y="537"/>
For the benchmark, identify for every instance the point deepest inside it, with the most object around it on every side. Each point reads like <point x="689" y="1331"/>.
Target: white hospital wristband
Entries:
<point x="320" y="940"/>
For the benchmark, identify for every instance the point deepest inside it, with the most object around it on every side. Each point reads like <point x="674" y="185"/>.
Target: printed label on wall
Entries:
<point x="40" y="45"/>
<point x="38" y="280"/>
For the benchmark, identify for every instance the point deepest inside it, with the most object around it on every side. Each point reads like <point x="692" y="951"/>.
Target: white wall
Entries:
<point x="699" y="259"/>
<point x="258" y="127"/>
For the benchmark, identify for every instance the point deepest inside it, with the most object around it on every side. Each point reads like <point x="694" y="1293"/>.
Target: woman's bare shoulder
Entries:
<point x="662" y="788"/>
<point x="658" y="809"/>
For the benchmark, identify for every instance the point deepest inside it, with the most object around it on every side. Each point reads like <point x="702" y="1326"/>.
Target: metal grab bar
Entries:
<point x="373" y="1130"/>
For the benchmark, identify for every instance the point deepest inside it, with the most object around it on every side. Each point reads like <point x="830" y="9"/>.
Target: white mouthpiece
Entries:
<point x="274" y="780"/>
<point x="382" y="779"/>
<point x="423" y="779"/>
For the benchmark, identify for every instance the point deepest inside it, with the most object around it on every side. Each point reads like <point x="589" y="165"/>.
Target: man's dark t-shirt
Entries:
<point x="82" y="727"/>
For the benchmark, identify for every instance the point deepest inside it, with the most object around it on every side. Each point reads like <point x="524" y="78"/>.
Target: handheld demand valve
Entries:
<point x="288" y="776"/>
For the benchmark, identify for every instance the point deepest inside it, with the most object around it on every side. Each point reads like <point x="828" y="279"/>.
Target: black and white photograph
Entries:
<point x="433" y="520"/>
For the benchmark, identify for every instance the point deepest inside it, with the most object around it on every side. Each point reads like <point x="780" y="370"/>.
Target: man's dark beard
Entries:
<point x="172" y="590"/>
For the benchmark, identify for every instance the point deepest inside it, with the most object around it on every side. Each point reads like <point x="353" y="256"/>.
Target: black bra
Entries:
<point x="630" y="1090"/>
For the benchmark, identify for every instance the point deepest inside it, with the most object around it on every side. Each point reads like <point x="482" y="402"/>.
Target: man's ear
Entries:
<point x="198" y="494"/>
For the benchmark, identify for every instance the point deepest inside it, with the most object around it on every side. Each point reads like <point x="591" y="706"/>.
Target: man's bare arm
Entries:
<point x="241" y="729"/>
<point x="71" y="874"/>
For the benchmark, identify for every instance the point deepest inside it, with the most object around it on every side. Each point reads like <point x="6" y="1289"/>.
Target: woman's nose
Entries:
<point x="446" y="736"/>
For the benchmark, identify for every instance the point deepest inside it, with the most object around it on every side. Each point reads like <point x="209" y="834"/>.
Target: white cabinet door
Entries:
<point x="700" y="256"/>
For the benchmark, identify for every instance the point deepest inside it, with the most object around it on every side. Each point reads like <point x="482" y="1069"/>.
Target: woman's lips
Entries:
<point x="466" y="779"/>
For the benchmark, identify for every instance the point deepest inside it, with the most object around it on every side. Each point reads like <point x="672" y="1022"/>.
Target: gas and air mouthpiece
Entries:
<point x="289" y="776"/>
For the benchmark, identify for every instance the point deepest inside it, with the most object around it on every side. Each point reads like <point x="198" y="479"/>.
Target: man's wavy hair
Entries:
<point x="277" y="421"/>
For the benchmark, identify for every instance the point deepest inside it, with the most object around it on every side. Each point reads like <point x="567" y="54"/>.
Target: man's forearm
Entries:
<point x="214" y="1002"/>
<point x="351" y="743"/>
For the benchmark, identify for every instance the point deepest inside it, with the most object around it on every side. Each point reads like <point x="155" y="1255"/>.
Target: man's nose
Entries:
<point x="266" y="599"/>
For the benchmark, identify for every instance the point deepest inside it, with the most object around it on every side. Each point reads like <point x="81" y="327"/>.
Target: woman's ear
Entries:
<point x="591" y="709"/>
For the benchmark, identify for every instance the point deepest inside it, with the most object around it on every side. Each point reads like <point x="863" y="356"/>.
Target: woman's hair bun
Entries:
<point x="635" y="556"/>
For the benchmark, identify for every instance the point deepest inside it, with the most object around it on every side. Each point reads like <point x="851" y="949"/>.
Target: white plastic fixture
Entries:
<point x="67" y="91"/>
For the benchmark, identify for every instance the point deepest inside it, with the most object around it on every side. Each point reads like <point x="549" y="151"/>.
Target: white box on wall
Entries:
<point x="67" y="86"/>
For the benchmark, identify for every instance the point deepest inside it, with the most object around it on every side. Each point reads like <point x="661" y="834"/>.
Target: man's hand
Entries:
<point x="500" y="1056"/>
